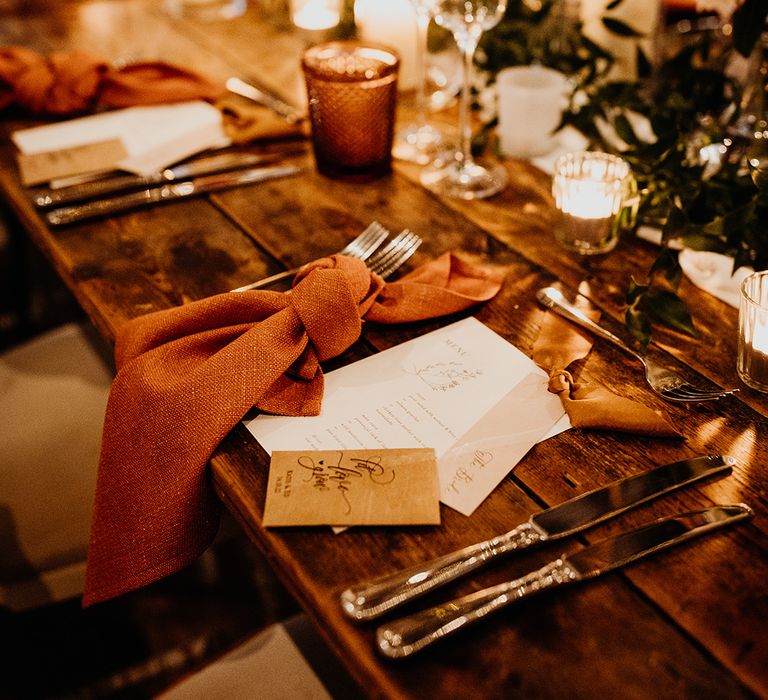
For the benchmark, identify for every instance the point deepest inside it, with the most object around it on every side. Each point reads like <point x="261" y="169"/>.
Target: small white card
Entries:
<point x="431" y="392"/>
<point x="154" y="137"/>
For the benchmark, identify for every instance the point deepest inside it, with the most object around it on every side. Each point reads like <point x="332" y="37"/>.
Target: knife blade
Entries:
<point x="154" y="195"/>
<point x="263" y="97"/>
<point x="119" y="183"/>
<point x="410" y="634"/>
<point x="371" y="599"/>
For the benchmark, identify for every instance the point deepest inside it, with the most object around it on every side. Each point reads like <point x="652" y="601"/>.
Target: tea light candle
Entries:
<point x="589" y="190"/>
<point x="392" y="23"/>
<point x="315" y="14"/>
<point x="752" y="361"/>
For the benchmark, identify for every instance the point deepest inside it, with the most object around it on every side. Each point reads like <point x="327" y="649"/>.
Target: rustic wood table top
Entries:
<point x="688" y="623"/>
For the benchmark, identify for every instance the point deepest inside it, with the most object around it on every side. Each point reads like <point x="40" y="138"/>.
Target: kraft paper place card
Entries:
<point x="353" y="487"/>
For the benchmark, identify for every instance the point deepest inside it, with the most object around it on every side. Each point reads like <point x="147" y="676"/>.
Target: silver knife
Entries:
<point x="408" y="635"/>
<point x="371" y="599"/>
<point x="261" y="96"/>
<point x="153" y="195"/>
<point x="119" y="183"/>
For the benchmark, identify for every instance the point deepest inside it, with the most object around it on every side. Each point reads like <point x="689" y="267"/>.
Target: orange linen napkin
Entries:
<point x="589" y="405"/>
<point x="74" y="81"/>
<point x="188" y="375"/>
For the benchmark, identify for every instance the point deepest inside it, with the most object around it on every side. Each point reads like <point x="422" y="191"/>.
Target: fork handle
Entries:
<point x="553" y="299"/>
<point x="268" y="280"/>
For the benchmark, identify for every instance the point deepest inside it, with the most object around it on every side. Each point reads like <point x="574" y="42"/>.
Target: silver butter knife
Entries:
<point x="153" y="195"/>
<point x="371" y="599"/>
<point x="121" y="183"/>
<point x="408" y="635"/>
<point x="261" y="96"/>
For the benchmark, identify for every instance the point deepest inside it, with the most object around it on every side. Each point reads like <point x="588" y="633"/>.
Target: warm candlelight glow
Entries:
<point x="590" y="190"/>
<point x="760" y="334"/>
<point x="590" y="200"/>
<point x="315" y="14"/>
<point x="752" y="362"/>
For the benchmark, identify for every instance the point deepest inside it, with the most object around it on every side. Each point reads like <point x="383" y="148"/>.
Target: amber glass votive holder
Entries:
<point x="352" y="92"/>
<point x="752" y="353"/>
<point x="591" y="191"/>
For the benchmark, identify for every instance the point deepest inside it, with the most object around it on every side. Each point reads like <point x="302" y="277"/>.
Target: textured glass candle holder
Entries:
<point x="352" y="91"/>
<point x="752" y="357"/>
<point x="590" y="190"/>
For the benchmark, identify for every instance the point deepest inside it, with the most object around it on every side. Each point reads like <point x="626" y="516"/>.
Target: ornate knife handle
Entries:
<point x="371" y="599"/>
<point x="410" y="634"/>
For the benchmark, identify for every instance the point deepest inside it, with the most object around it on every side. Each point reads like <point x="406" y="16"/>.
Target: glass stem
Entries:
<point x="467" y="43"/>
<point x="422" y="24"/>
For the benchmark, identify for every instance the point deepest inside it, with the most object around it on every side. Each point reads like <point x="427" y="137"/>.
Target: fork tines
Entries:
<point x="395" y="253"/>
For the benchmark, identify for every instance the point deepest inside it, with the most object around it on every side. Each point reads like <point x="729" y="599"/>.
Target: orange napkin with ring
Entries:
<point x="72" y="82"/>
<point x="187" y="375"/>
<point x="589" y="405"/>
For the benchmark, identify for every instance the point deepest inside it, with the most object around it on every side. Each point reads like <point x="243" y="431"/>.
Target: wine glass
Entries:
<point x="458" y="175"/>
<point x="418" y="141"/>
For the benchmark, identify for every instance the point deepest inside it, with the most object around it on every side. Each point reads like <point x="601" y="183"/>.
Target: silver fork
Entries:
<point x="395" y="253"/>
<point x="666" y="383"/>
<point x="362" y="247"/>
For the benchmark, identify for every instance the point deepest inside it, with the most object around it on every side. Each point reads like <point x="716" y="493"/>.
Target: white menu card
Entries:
<point x="462" y="390"/>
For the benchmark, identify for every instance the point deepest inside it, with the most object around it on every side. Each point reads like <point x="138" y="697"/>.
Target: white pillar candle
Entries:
<point x="391" y="22"/>
<point x="315" y="14"/>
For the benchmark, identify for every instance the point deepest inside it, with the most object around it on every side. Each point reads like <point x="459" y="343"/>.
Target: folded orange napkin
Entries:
<point x="75" y="81"/>
<point x="188" y="375"/>
<point x="589" y="405"/>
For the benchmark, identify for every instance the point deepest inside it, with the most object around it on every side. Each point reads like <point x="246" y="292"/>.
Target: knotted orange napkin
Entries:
<point x="589" y="405"/>
<point x="188" y="375"/>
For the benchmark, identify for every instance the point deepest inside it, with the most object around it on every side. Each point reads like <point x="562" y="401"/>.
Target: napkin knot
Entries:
<point x="332" y="300"/>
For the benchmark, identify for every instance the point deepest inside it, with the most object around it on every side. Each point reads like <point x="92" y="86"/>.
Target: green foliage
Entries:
<point x="690" y="103"/>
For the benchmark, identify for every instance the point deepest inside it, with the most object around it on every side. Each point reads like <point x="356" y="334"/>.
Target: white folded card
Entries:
<point x="462" y="390"/>
<point x="154" y="137"/>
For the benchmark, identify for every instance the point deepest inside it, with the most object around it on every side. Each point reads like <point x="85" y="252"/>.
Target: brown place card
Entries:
<point x="353" y="487"/>
<point x="90" y="157"/>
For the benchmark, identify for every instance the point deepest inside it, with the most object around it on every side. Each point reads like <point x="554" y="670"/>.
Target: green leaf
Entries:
<point x="635" y="291"/>
<point x="625" y="131"/>
<point x="618" y="27"/>
<point x="669" y="309"/>
<point x="703" y="241"/>
<point x="613" y="4"/>
<point x="675" y="225"/>
<point x="639" y="325"/>
<point x="667" y="265"/>
<point x="644" y="67"/>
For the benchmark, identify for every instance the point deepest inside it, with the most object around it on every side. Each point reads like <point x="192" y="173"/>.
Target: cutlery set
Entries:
<point x="403" y="637"/>
<point x="119" y="193"/>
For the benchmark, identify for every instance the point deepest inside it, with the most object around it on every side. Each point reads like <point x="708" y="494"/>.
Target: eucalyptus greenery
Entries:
<point x="694" y="107"/>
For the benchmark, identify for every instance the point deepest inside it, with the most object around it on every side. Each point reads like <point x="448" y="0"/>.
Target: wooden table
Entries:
<point x="688" y="623"/>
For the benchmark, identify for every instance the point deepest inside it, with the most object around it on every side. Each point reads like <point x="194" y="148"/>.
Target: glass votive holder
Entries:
<point x="591" y="189"/>
<point x="752" y="353"/>
<point x="352" y="95"/>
